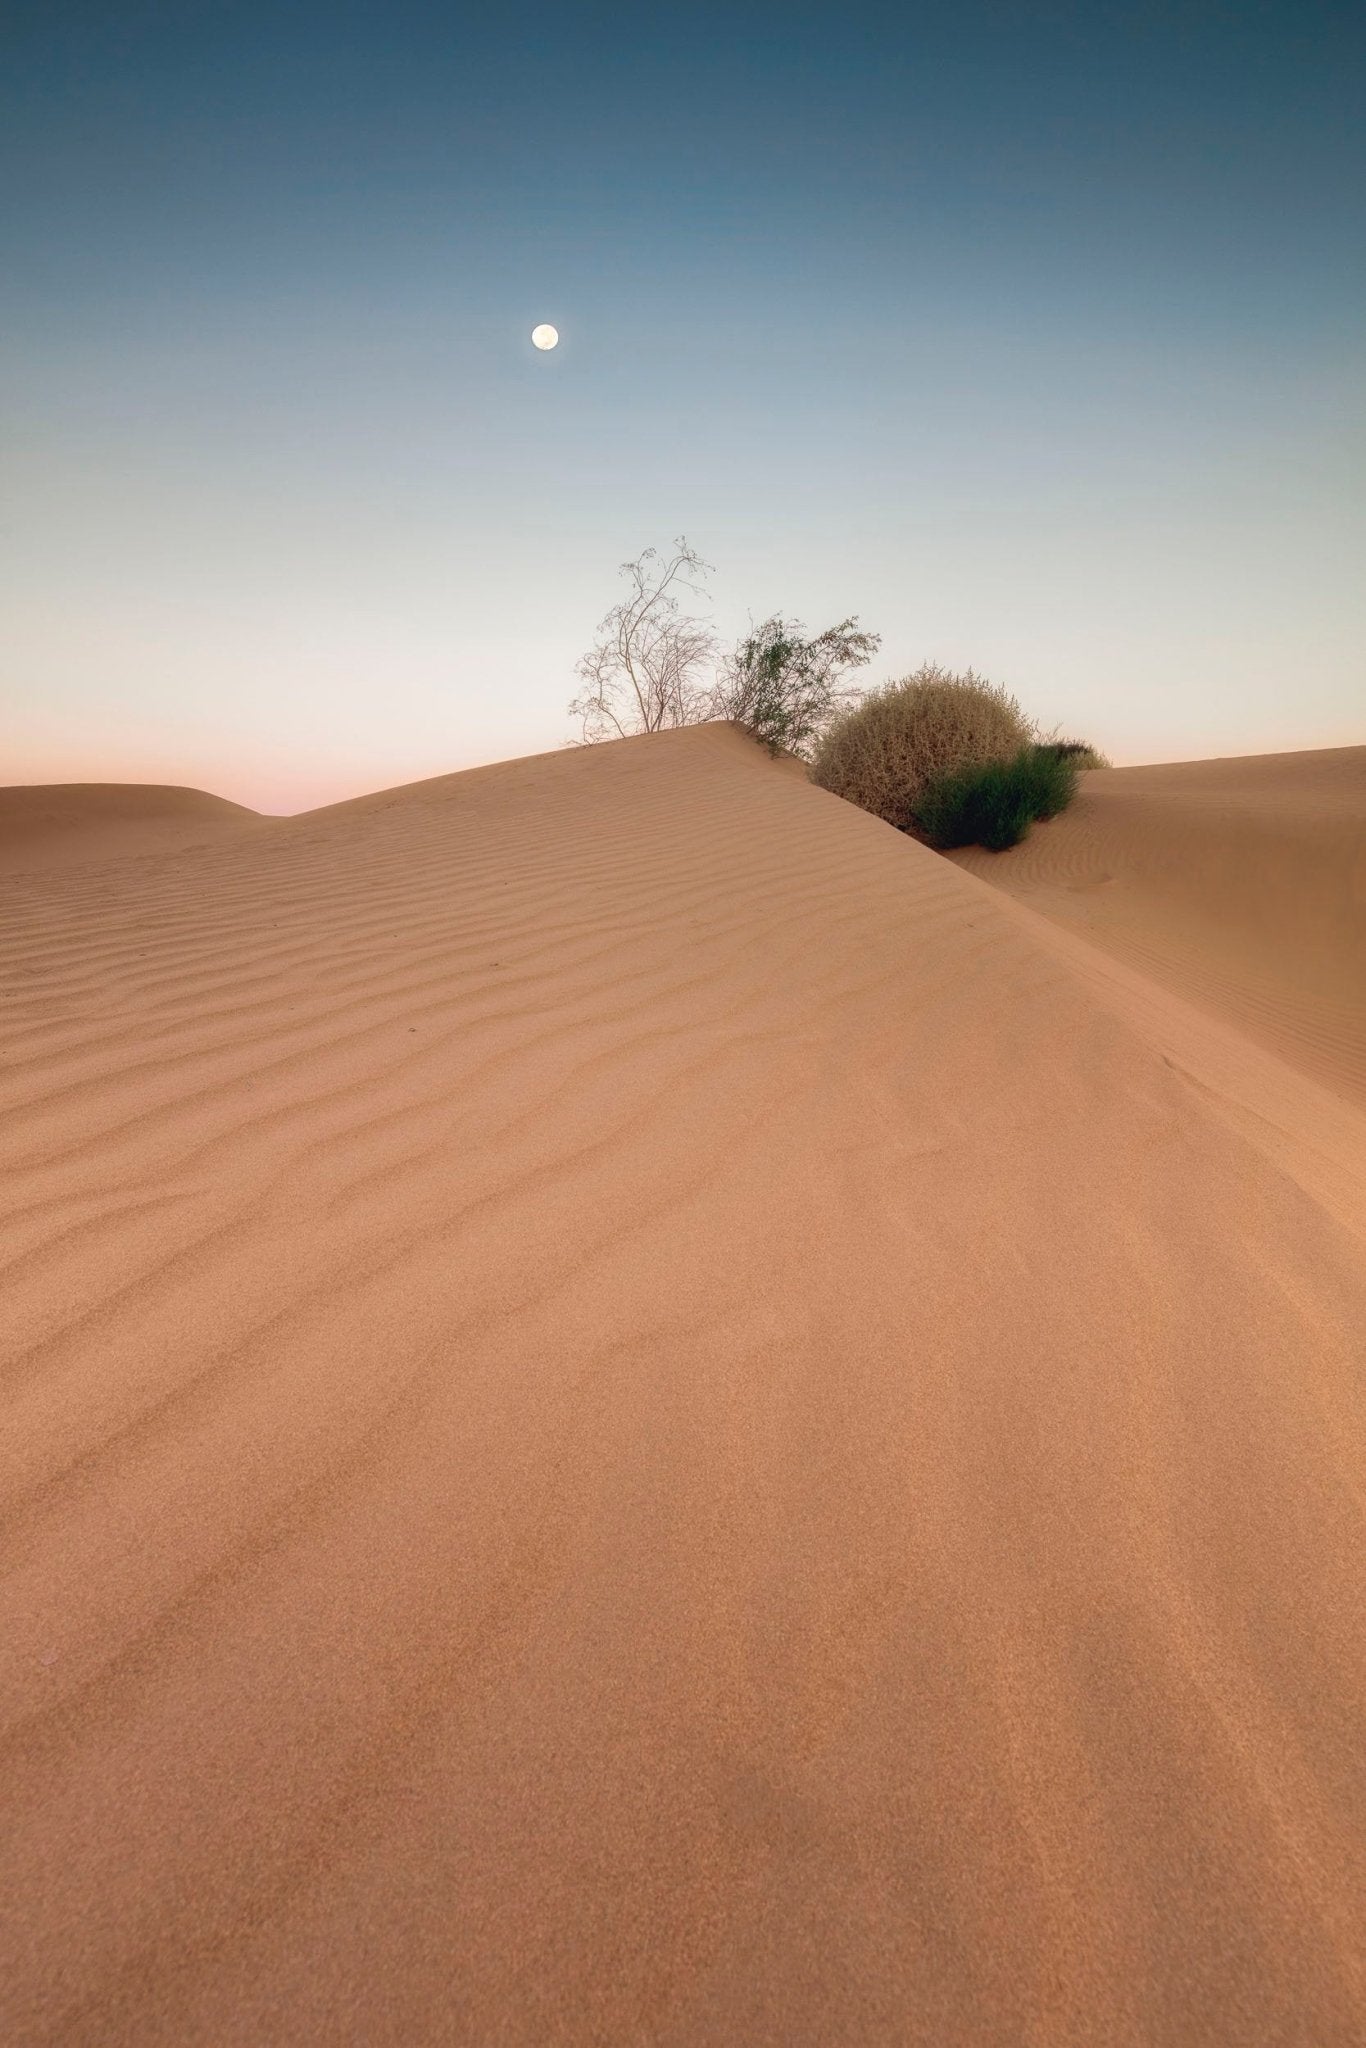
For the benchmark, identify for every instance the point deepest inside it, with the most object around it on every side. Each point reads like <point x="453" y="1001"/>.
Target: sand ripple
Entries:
<point x="637" y="1412"/>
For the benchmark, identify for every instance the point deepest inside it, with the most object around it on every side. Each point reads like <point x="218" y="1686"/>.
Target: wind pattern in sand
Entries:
<point x="637" y="1411"/>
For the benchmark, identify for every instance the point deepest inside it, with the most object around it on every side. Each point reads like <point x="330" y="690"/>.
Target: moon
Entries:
<point x="544" y="336"/>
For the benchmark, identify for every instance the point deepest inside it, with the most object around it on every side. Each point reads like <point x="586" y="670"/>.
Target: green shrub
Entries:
<point x="883" y="753"/>
<point x="785" y="689"/>
<point x="994" y="804"/>
<point x="1078" y="752"/>
<point x="1050" y="778"/>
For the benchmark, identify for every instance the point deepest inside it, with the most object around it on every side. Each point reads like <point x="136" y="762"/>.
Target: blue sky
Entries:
<point x="1031" y="335"/>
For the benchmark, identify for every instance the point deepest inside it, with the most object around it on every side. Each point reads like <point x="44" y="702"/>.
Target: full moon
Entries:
<point x="544" y="337"/>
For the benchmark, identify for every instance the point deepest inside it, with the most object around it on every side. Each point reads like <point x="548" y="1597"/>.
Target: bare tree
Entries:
<point x="786" y="689"/>
<point x="646" y="669"/>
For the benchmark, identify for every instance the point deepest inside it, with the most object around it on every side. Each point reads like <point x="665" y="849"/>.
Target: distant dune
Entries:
<point x="76" y="823"/>
<point x="640" y="1412"/>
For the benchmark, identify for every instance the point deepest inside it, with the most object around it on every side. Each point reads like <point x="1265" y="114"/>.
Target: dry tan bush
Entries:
<point x="881" y="754"/>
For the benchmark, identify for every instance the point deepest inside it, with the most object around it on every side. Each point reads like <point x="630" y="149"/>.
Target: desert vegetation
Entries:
<point x="786" y="689"/>
<point x="884" y="752"/>
<point x="950" y="758"/>
<point x="994" y="803"/>
<point x="1077" y="751"/>
<point x="653" y="665"/>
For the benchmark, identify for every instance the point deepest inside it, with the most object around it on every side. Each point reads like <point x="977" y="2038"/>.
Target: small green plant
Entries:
<point x="1077" y="752"/>
<point x="1050" y="778"/>
<point x="786" y="689"/>
<point x="994" y="803"/>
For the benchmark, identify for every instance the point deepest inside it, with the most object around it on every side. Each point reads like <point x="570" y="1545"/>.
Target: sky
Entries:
<point x="1032" y="336"/>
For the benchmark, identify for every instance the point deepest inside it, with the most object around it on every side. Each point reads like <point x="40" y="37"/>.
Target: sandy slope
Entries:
<point x="1219" y="907"/>
<point x="77" y="824"/>
<point x="1240" y="885"/>
<point x="635" y="1414"/>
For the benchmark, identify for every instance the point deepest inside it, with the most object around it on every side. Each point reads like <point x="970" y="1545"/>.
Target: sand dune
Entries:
<point x="1240" y="885"/>
<point x="1219" y="907"/>
<point x="638" y="1412"/>
<point x="77" y="824"/>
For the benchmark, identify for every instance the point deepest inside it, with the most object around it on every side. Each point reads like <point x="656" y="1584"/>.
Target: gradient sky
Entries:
<point x="1031" y="335"/>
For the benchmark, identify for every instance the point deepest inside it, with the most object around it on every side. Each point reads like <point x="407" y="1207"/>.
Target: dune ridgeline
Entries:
<point x="639" y="1411"/>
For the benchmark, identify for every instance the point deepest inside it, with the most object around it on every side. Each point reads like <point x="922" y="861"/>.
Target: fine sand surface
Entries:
<point x="1238" y="884"/>
<point x="638" y="1412"/>
<point x="76" y="824"/>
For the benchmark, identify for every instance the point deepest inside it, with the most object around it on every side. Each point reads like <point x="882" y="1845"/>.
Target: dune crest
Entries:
<point x="636" y="1414"/>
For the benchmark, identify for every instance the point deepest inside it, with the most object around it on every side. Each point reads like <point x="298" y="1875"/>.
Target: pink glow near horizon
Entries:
<point x="285" y="792"/>
<point x="273" y="792"/>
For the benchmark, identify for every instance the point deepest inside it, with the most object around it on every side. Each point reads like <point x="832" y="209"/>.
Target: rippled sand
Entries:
<point x="638" y="1412"/>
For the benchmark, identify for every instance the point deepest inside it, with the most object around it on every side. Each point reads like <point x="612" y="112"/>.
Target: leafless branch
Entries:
<point x="645" y="670"/>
